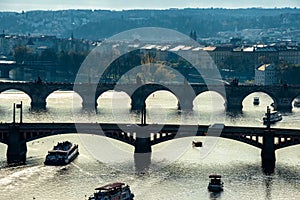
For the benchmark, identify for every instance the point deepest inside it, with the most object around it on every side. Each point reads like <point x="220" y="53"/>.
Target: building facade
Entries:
<point x="265" y="74"/>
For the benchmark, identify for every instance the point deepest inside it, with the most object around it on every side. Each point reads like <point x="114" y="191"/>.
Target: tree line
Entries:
<point x="64" y="61"/>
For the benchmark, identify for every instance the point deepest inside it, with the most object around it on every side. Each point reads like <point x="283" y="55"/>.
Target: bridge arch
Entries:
<point x="113" y="99"/>
<point x="254" y="142"/>
<point x="212" y="100"/>
<point x="7" y="99"/>
<point x="141" y="94"/>
<point x="17" y="94"/>
<point x="64" y="98"/>
<point x="264" y="101"/>
<point x="236" y="95"/>
<point x="254" y="90"/>
<point x="169" y="99"/>
<point x="48" y="136"/>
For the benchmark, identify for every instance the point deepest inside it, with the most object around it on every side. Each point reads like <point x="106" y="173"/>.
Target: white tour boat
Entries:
<point x="62" y="154"/>
<point x="275" y="116"/>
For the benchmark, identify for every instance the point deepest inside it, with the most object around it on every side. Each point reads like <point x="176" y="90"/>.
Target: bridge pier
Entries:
<point x="284" y="107"/>
<point x="89" y="105"/>
<point x="234" y="107"/>
<point x="16" y="146"/>
<point x="4" y="73"/>
<point x="185" y="104"/>
<point x="38" y="98"/>
<point x="142" y="154"/>
<point x="137" y="104"/>
<point x="40" y="105"/>
<point x="268" y="157"/>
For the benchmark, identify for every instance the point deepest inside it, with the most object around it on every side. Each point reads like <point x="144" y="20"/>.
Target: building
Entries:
<point x="265" y="74"/>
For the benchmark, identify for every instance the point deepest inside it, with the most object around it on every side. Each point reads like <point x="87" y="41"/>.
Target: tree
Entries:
<point x="48" y="55"/>
<point x="22" y="53"/>
<point x="193" y="35"/>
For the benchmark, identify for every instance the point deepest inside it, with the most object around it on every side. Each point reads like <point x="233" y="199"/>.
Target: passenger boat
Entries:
<point x="297" y="103"/>
<point x="113" y="191"/>
<point x="62" y="154"/>
<point x="215" y="183"/>
<point x="256" y="101"/>
<point x="274" y="117"/>
<point x="197" y="143"/>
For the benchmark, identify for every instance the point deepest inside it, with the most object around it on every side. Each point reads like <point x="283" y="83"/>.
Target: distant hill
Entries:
<point x="100" y="24"/>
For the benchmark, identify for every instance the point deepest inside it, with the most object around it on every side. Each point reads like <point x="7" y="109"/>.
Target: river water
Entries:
<point x="178" y="171"/>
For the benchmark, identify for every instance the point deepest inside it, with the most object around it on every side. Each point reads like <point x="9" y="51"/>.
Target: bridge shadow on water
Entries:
<point x="268" y="184"/>
<point x="142" y="162"/>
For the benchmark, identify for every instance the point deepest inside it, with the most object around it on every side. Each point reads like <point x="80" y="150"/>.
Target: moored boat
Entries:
<point x="297" y="103"/>
<point x="113" y="191"/>
<point x="215" y="184"/>
<point x="196" y="143"/>
<point x="256" y="101"/>
<point x="62" y="154"/>
<point x="275" y="116"/>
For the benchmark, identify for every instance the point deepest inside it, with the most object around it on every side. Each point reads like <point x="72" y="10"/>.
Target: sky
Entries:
<point x="25" y="5"/>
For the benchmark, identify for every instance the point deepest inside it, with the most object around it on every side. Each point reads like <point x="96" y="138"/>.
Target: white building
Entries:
<point x="266" y="74"/>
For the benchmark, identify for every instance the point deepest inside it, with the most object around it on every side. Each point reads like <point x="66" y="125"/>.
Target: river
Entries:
<point x="174" y="174"/>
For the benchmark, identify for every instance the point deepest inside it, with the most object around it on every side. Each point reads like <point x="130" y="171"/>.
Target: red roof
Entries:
<point x="110" y="186"/>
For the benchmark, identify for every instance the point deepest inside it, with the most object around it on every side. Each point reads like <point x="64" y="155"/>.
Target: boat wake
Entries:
<point x="22" y="174"/>
<point x="81" y="170"/>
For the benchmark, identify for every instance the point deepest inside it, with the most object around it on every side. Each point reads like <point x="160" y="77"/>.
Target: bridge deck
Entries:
<point x="156" y="132"/>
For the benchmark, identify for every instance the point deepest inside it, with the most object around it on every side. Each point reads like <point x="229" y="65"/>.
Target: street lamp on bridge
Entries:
<point x="19" y="106"/>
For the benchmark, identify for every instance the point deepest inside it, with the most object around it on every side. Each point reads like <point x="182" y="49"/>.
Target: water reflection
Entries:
<point x="142" y="162"/>
<point x="215" y="195"/>
<point x="268" y="183"/>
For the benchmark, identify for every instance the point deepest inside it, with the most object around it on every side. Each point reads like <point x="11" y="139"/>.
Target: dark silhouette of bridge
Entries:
<point x="37" y="67"/>
<point x="233" y="95"/>
<point x="142" y="138"/>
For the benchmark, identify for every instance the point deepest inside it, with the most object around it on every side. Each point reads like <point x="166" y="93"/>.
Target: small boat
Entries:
<point x="297" y="103"/>
<point x="275" y="116"/>
<point x="61" y="154"/>
<point x="274" y="106"/>
<point x="215" y="183"/>
<point x="197" y="143"/>
<point x="256" y="101"/>
<point x="112" y="191"/>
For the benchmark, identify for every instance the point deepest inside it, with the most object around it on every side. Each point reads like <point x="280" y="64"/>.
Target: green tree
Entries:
<point x="23" y="53"/>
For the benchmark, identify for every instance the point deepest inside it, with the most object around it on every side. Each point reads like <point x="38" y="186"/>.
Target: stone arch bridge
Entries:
<point x="282" y="95"/>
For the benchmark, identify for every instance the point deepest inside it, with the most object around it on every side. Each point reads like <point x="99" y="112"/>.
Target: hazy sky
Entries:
<point x="19" y="5"/>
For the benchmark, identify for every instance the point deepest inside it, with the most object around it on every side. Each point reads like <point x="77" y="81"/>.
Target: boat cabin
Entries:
<point x="110" y="191"/>
<point x="197" y="143"/>
<point x="215" y="183"/>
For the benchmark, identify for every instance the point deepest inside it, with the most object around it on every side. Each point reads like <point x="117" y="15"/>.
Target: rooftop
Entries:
<point x="263" y="67"/>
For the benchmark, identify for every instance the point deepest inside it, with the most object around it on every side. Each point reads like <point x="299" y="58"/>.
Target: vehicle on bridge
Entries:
<point x="61" y="154"/>
<point x="275" y="116"/>
<point x="113" y="191"/>
<point x="215" y="184"/>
